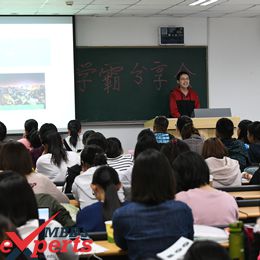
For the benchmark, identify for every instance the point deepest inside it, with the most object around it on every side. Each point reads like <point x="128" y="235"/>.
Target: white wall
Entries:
<point x="233" y="56"/>
<point x="234" y="65"/>
<point x="117" y="31"/>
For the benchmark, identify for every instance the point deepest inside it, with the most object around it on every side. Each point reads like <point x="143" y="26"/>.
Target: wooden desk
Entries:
<point x="113" y="249"/>
<point x="206" y="126"/>
<point x="254" y="194"/>
<point x="249" y="212"/>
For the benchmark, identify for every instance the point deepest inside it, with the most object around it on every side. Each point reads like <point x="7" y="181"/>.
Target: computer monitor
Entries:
<point x="212" y="112"/>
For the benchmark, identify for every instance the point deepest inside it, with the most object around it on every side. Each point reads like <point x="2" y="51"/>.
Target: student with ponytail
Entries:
<point x="73" y="142"/>
<point x="31" y="137"/>
<point x="105" y="184"/>
<point x="55" y="160"/>
<point x="92" y="157"/>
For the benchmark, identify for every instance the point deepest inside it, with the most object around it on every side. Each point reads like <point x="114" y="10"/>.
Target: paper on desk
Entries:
<point x="202" y="232"/>
<point x="177" y="250"/>
<point x="95" y="249"/>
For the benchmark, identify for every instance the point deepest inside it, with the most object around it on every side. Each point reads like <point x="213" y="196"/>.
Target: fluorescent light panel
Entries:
<point x="203" y="2"/>
<point x="209" y="2"/>
<point x="197" y="2"/>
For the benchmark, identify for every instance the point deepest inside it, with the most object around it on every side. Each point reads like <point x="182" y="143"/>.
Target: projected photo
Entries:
<point x="20" y="91"/>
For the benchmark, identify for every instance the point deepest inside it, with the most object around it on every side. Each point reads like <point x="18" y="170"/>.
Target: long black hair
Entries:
<point x="53" y="142"/>
<point x="107" y="178"/>
<point x="74" y="126"/>
<point x="17" y="199"/>
<point x="31" y="133"/>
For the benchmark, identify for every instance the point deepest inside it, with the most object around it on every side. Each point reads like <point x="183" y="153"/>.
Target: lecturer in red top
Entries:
<point x="183" y="99"/>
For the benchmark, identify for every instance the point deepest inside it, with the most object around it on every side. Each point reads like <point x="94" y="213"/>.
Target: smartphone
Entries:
<point x="44" y="213"/>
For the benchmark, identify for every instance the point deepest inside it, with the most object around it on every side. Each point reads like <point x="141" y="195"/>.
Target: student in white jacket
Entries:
<point x="224" y="170"/>
<point x="92" y="157"/>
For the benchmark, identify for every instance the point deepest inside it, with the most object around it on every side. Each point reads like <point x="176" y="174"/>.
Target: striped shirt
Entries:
<point x="121" y="163"/>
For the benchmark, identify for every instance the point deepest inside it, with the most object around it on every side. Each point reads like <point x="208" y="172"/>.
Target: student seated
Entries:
<point x="224" y="170"/>
<point x="145" y="141"/>
<point x="173" y="149"/>
<point x="116" y="157"/>
<point x="236" y="148"/>
<point x="92" y="157"/>
<point x="242" y="132"/>
<point x="45" y="129"/>
<point x="153" y="221"/>
<point x="105" y="184"/>
<point x="18" y="203"/>
<point x="253" y="133"/>
<point x="189" y="134"/>
<point x="209" y="206"/>
<point x="30" y="138"/>
<point x="55" y="159"/>
<point x="160" y="127"/>
<point x="73" y="142"/>
<point x="206" y="250"/>
<point x="14" y="156"/>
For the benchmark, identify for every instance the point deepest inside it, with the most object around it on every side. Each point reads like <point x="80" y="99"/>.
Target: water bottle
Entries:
<point x="236" y="241"/>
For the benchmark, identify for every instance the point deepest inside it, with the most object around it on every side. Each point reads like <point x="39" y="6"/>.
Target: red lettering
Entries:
<point x="86" y="246"/>
<point x="76" y="244"/>
<point x="64" y="248"/>
<point x="5" y="246"/>
<point x="54" y="246"/>
<point x="36" y="249"/>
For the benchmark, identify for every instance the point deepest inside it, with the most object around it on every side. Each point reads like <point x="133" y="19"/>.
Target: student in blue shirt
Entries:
<point x="153" y="221"/>
<point x="160" y="127"/>
<point x="105" y="184"/>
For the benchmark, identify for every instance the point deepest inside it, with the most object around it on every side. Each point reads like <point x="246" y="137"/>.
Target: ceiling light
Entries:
<point x="209" y="2"/>
<point x="197" y="2"/>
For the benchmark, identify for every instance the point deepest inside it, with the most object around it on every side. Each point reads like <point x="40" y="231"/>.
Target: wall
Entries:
<point x="135" y="31"/>
<point x="233" y="56"/>
<point x="234" y="65"/>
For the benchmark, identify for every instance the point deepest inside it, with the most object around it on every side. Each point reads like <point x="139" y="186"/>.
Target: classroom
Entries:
<point x="229" y="30"/>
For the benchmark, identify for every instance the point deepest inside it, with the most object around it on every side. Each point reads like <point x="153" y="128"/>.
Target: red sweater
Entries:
<point x="177" y="95"/>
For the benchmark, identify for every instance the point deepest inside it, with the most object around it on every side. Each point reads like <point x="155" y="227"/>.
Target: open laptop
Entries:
<point x="212" y="112"/>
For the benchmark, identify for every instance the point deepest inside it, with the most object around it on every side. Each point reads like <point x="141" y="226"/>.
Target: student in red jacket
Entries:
<point x="183" y="99"/>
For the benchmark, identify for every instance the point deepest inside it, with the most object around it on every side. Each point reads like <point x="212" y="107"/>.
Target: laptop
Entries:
<point x="212" y="112"/>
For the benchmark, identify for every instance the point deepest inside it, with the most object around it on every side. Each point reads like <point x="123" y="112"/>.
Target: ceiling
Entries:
<point x="130" y="8"/>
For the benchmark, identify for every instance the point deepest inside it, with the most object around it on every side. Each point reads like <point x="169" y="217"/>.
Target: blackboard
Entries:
<point x="129" y="84"/>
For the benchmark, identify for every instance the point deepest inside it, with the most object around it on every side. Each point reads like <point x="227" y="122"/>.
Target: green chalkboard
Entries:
<point x="128" y="84"/>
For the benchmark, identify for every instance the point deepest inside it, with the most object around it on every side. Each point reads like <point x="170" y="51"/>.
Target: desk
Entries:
<point x="206" y="125"/>
<point x="253" y="194"/>
<point x="249" y="212"/>
<point x="113" y="249"/>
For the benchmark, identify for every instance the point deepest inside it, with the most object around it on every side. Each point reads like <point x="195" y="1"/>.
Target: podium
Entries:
<point x="205" y="125"/>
